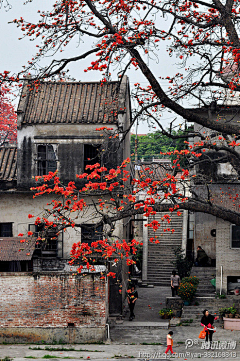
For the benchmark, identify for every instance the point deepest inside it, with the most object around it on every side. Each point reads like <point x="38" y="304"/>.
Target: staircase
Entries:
<point x="192" y="315"/>
<point x="204" y="274"/>
<point x="161" y="256"/>
<point x="138" y="332"/>
<point x="204" y="299"/>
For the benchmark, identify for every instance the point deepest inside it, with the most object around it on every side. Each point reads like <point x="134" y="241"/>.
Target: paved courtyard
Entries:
<point x="140" y="342"/>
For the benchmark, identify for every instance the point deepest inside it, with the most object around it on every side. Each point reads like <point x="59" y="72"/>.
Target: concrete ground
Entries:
<point x="143" y="344"/>
<point x="150" y="301"/>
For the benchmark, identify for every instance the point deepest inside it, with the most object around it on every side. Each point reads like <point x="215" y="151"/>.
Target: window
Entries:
<point x="46" y="159"/>
<point x="16" y="266"/>
<point x="52" y="246"/>
<point x="91" y="155"/>
<point x="6" y="230"/>
<point x="235" y="236"/>
<point x="91" y="234"/>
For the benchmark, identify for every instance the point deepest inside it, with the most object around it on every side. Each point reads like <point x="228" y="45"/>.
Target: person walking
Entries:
<point x="207" y="321"/>
<point x="175" y="282"/>
<point x="169" y="343"/>
<point x="132" y="298"/>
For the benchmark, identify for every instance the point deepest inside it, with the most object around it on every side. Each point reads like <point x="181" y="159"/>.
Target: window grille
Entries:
<point x="46" y="159"/>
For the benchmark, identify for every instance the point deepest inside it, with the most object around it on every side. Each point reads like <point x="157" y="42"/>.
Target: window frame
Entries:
<point x="4" y="223"/>
<point x="95" y="159"/>
<point x="59" y="241"/>
<point x="231" y="236"/>
<point x="90" y="227"/>
<point x="47" y="159"/>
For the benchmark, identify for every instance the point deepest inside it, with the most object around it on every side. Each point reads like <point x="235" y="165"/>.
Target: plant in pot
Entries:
<point x="166" y="313"/>
<point x="231" y="311"/>
<point x="187" y="291"/>
<point x="222" y="312"/>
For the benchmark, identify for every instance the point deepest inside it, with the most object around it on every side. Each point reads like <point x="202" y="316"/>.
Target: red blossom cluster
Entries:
<point x="8" y="117"/>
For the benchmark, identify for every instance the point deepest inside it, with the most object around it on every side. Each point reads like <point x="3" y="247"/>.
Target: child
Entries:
<point x="169" y="343"/>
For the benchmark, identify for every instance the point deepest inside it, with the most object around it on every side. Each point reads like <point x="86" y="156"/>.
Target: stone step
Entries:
<point x="154" y="271"/>
<point x="205" y="290"/>
<point x="166" y="243"/>
<point x="144" y="331"/>
<point x="159" y="280"/>
<point x="161" y="263"/>
<point x="166" y="240"/>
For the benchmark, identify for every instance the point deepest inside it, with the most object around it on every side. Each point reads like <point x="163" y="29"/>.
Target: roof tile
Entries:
<point x="71" y="102"/>
<point x="8" y="163"/>
<point x="11" y="249"/>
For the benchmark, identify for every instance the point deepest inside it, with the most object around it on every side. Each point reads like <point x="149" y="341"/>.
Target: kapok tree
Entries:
<point x="203" y="36"/>
<point x="8" y="118"/>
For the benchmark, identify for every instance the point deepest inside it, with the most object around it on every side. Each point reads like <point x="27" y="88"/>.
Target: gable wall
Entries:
<point x="67" y="141"/>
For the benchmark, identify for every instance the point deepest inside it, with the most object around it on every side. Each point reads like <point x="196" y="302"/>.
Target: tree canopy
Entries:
<point x="116" y="35"/>
<point x="8" y="118"/>
<point x="204" y="36"/>
<point x="150" y="145"/>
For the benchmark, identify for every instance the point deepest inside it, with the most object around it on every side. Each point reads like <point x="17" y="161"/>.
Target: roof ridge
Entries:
<point x="77" y="82"/>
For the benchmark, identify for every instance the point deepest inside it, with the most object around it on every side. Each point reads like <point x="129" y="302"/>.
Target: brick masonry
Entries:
<point x="227" y="257"/>
<point x="69" y="307"/>
<point x="219" y="247"/>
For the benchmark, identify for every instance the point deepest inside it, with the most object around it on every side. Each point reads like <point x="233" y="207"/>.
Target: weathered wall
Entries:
<point x="43" y="302"/>
<point x="16" y="206"/>
<point x="67" y="141"/>
<point x="226" y="196"/>
<point x="204" y="224"/>
<point x="227" y="257"/>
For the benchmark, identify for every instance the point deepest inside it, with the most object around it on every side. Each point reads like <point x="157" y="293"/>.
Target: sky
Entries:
<point x="15" y="53"/>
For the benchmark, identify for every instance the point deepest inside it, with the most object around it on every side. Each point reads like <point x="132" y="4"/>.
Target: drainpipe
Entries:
<point x="145" y="250"/>
<point x="184" y="231"/>
<point x="108" y="332"/>
<point x="221" y="280"/>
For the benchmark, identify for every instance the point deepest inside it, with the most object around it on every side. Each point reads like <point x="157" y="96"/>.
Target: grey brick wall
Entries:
<point x="226" y="257"/>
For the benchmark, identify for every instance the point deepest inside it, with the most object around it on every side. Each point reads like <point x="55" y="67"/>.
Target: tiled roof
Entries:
<point x="11" y="249"/>
<point x="70" y="102"/>
<point x="8" y="163"/>
<point x="156" y="169"/>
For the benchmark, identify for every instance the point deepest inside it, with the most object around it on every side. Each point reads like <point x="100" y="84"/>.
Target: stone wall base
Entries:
<point x="176" y="304"/>
<point x="51" y="335"/>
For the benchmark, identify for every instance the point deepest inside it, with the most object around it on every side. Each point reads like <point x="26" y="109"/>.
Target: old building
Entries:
<point x="41" y="297"/>
<point x="217" y="180"/>
<point x="158" y="258"/>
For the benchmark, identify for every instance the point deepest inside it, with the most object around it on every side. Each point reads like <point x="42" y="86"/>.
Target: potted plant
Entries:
<point x="231" y="322"/>
<point x="165" y="313"/>
<point x="231" y="311"/>
<point x="187" y="291"/>
<point x="223" y="312"/>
